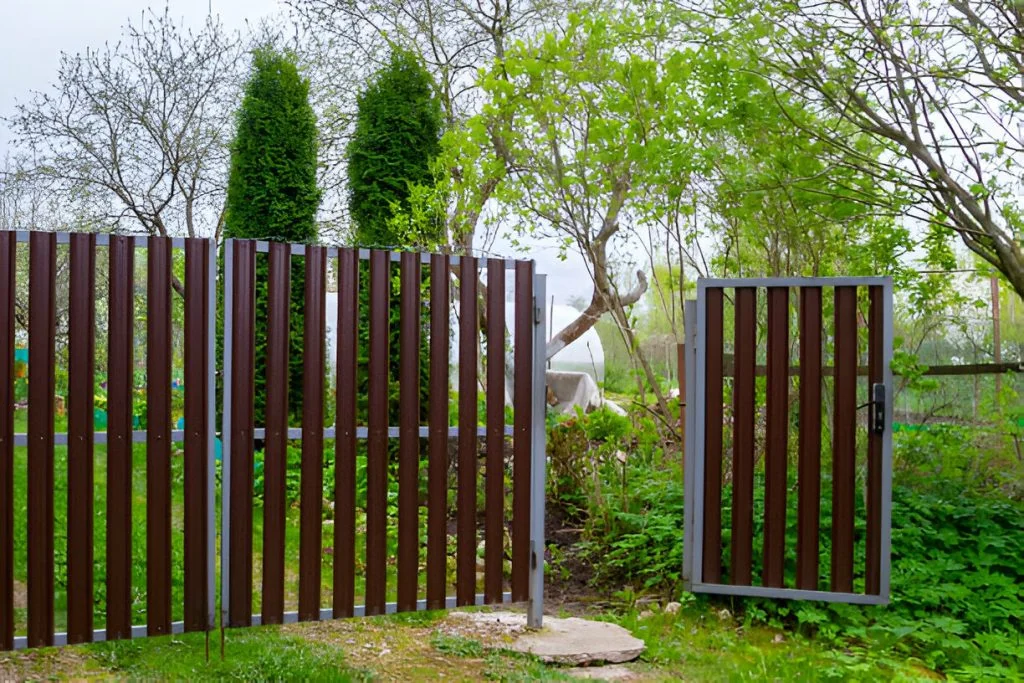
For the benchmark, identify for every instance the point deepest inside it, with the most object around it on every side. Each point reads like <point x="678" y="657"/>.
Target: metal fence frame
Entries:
<point x="537" y="445"/>
<point x="695" y="313"/>
<point x="536" y="335"/>
<point x="143" y="242"/>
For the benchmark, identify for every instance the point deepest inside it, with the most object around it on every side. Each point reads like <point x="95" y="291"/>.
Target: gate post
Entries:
<point x="225" y="478"/>
<point x="689" y="435"/>
<point x="211" y="437"/>
<point x="535" y="610"/>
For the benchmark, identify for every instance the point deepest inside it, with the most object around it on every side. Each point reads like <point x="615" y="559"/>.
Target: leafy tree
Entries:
<point x="390" y="157"/>
<point x="136" y="133"/>
<point x="272" y="191"/>
<point x="396" y="138"/>
<point x="452" y="39"/>
<point x="937" y="84"/>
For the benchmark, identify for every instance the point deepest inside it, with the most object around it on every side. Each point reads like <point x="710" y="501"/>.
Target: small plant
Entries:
<point x="456" y="645"/>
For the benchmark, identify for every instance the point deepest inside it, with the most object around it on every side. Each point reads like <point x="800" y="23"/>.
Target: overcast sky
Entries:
<point x="37" y="31"/>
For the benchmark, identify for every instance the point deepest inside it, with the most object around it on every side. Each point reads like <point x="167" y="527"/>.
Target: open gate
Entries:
<point x="389" y="569"/>
<point x="721" y="510"/>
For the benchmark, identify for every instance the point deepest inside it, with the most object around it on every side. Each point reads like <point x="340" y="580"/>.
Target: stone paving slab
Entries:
<point x="572" y="641"/>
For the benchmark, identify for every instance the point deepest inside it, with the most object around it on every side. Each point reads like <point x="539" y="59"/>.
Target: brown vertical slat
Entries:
<point x="8" y="268"/>
<point x="409" y="439"/>
<point x="275" y="461"/>
<point x="437" y="474"/>
<point x="777" y="437"/>
<point x="494" y="527"/>
<point x="243" y="306"/>
<point x="465" y="578"/>
<point x="81" y="379"/>
<point x="873" y="550"/>
<point x="197" y="397"/>
<point x="809" y="440"/>
<point x="312" y="483"/>
<point x="745" y="345"/>
<point x="522" y="429"/>
<point x="120" y="365"/>
<point x="345" y="445"/>
<point x="41" y="334"/>
<point x="377" y="444"/>
<point x="711" y="569"/>
<point x="158" y="437"/>
<point x="844" y="438"/>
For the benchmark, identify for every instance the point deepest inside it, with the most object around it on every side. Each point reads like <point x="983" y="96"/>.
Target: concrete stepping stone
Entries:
<point x="611" y="672"/>
<point x="573" y="641"/>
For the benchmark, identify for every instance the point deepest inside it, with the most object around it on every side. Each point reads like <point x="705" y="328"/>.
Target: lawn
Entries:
<point x="697" y="643"/>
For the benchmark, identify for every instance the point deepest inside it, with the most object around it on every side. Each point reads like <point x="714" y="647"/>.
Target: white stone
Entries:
<point x="673" y="608"/>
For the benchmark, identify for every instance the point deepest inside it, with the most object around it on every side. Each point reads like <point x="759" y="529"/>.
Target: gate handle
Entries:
<point x="878" y="408"/>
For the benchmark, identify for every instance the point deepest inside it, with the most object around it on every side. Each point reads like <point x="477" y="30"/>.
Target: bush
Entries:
<point x="956" y="586"/>
<point x="957" y="581"/>
<point x="272" y="194"/>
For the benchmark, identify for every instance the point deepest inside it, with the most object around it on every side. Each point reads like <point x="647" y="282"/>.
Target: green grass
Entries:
<point x="703" y="642"/>
<point x="292" y="539"/>
<point x="100" y="531"/>
<point x="253" y="654"/>
<point x="698" y="643"/>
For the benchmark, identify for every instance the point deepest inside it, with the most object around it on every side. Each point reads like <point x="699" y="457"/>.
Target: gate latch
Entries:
<point x="878" y="408"/>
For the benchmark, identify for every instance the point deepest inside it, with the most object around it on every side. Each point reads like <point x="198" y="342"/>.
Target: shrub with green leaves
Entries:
<point x="957" y="581"/>
<point x="273" y="193"/>
<point x="397" y="136"/>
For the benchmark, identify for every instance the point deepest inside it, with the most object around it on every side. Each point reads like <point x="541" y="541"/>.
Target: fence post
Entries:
<point x="211" y="436"/>
<point x="535" y="614"/>
<point x="225" y="505"/>
<point x="688" y="371"/>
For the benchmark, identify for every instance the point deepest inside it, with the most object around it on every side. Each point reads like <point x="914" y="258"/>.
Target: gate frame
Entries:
<point x="538" y="460"/>
<point x="695" y="313"/>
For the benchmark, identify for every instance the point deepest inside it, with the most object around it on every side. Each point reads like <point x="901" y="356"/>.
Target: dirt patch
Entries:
<point x="393" y="651"/>
<point x="46" y="664"/>
<point x="20" y="595"/>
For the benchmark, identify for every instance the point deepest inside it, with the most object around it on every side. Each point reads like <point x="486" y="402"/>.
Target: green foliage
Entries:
<point x="264" y="654"/>
<point x="456" y="645"/>
<point x="710" y="645"/>
<point x="396" y="138"/>
<point x="957" y="602"/>
<point x="273" y="194"/>
<point x="293" y="476"/>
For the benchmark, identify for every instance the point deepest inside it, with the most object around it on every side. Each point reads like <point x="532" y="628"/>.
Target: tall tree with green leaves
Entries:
<point x="397" y="136"/>
<point x="272" y="191"/>
<point x="390" y="158"/>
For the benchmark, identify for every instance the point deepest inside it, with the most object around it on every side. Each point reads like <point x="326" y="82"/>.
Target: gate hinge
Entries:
<point x="537" y="312"/>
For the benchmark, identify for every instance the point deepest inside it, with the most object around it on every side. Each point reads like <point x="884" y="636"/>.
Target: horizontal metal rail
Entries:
<point x="141" y="242"/>
<point x="178" y="627"/>
<point x="327" y="613"/>
<point x="732" y="283"/>
<point x="294" y="434"/>
<point x="789" y="594"/>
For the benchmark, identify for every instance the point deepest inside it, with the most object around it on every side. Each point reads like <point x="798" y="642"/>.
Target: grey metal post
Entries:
<point x="535" y="613"/>
<point x="697" y="440"/>
<point x="211" y="436"/>
<point x="690" y="403"/>
<point x="225" y="503"/>
<point x="888" y="338"/>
